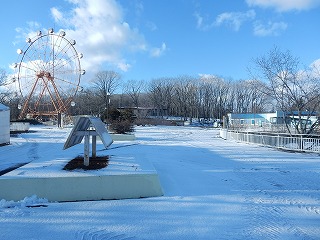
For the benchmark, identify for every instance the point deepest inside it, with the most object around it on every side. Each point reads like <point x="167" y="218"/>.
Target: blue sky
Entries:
<point x="147" y="39"/>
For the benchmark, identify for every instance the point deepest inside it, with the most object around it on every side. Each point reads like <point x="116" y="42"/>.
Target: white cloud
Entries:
<point x="29" y="32"/>
<point x="204" y="76"/>
<point x="271" y="29"/>
<point x="157" y="52"/>
<point x="199" y="19"/>
<point x="57" y="15"/>
<point x="285" y="5"/>
<point x="315" y="68"/>
<point x="124" y="66"/>
<point x="101" y="33"/>
<point x="152" y="26"/>
<point x="316" y="64"/>
<point x="231" y="19"/>
<point x="138" y="7"/>
<point x="310" y="75"/>
<point x="235" y="19"/>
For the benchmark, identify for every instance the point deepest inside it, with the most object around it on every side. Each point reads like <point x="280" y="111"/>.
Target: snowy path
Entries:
<point x="214" y="189"/>
<point x="27" y="147"/>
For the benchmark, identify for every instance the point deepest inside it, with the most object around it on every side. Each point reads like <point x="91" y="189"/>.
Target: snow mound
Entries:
<point x="32" y="201"/>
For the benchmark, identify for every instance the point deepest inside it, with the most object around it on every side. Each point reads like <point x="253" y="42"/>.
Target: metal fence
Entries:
<point x="296" y="143"/>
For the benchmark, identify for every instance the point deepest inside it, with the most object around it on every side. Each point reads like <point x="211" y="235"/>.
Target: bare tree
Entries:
<point x="3" y="76"/>
<point x="185" y="96"/>
<point x="206" y="97"/>
<point x="7" y="96"/>
<point x="4" y="94"/>
<point x="249" y="97"/>
<point x="213" y="92"/>
<point x="134" y="89"/>
<point x="161" y="92"/>
<point x="86" y="103"/>
<point x="296" y="91"/>
<point x="221" y="91"/>
<point x="106" y="83"/>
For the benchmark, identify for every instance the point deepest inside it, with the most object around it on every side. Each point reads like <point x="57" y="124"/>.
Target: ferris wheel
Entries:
<point x="48" y="75"/>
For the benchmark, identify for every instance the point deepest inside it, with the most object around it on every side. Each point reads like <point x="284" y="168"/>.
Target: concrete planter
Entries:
<point x="125" y="177"/>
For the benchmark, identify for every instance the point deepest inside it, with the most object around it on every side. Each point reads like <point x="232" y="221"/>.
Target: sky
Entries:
<point x="148" y="39"/>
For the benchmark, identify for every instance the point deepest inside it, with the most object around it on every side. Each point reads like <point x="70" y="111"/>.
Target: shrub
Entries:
<point x="121" y="121"/>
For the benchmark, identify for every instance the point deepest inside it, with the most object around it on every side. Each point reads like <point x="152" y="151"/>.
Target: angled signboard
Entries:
<point x="101" y="130"/>
<point x="88" y="125"/>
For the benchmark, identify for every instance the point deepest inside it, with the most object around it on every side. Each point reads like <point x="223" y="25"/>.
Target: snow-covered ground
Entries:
<point x="213" y="189"/>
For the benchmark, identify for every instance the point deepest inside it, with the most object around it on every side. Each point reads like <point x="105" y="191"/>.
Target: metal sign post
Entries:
<point x="86" y="150"/>
<point x="94" y="145"/>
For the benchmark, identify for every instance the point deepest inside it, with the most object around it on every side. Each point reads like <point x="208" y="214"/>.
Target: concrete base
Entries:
<point x="123" y="178"/>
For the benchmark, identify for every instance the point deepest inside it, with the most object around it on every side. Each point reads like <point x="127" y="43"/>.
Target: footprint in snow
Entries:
<point x="96" y="234"/>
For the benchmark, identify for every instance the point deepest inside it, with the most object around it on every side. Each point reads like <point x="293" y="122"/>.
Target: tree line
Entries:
<point x="184" y="96"/>
<point x="277" y="82"/>
<point x="187" y="97"/>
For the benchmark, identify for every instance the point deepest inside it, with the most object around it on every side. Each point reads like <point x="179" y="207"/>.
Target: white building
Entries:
<point x="270" y="121"/>
<point x="4" y="124"/>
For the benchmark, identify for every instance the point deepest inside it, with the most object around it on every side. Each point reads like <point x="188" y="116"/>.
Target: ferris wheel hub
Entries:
<point x="44" y="74"/>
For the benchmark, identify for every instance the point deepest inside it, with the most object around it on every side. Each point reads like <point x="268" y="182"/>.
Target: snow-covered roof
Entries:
<point x="3" y="107"/>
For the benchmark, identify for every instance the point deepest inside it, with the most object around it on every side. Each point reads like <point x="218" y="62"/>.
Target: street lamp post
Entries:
<point x="108" y="104"/>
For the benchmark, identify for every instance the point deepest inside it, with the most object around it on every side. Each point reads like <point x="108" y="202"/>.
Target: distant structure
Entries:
<point x="4" y="124"/>
<point x="274" y="122"/>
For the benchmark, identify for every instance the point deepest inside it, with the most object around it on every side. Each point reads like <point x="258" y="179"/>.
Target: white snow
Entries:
<point x="213" y="189"/>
